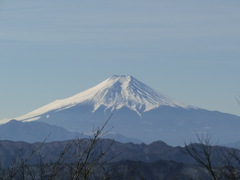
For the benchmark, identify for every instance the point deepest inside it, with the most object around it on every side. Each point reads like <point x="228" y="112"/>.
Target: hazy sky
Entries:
<point x="53" y="49"/>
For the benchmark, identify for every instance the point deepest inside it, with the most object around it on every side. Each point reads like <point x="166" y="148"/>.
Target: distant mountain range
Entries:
<point x="155" y="151"/>
<point x="36" y="131"/>
<point x="139" y="112"/>
<point x="154" y="161"/>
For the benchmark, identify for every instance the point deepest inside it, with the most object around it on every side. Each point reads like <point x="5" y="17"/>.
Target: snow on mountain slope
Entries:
<point x="113" y="93"/>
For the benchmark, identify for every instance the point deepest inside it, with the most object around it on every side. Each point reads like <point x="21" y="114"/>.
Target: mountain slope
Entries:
<point x="139" y="112"/>
<point x="35" y="132"/>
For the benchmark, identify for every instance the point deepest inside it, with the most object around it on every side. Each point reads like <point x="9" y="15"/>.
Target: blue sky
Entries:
<point x="52" y="49"/>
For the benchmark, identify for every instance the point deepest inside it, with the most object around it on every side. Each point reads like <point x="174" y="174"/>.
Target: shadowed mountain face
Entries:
<point x="138" y="112"/>
<point x="120" y="151"/>
<point x="123" y="160"/>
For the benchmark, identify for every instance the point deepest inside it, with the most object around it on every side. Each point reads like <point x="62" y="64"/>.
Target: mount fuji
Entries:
<point x="138" y="112"/>
<point x="112" y="94"/>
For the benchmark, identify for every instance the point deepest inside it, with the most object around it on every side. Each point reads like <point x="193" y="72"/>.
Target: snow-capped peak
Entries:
<point x="113" y="93"/>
